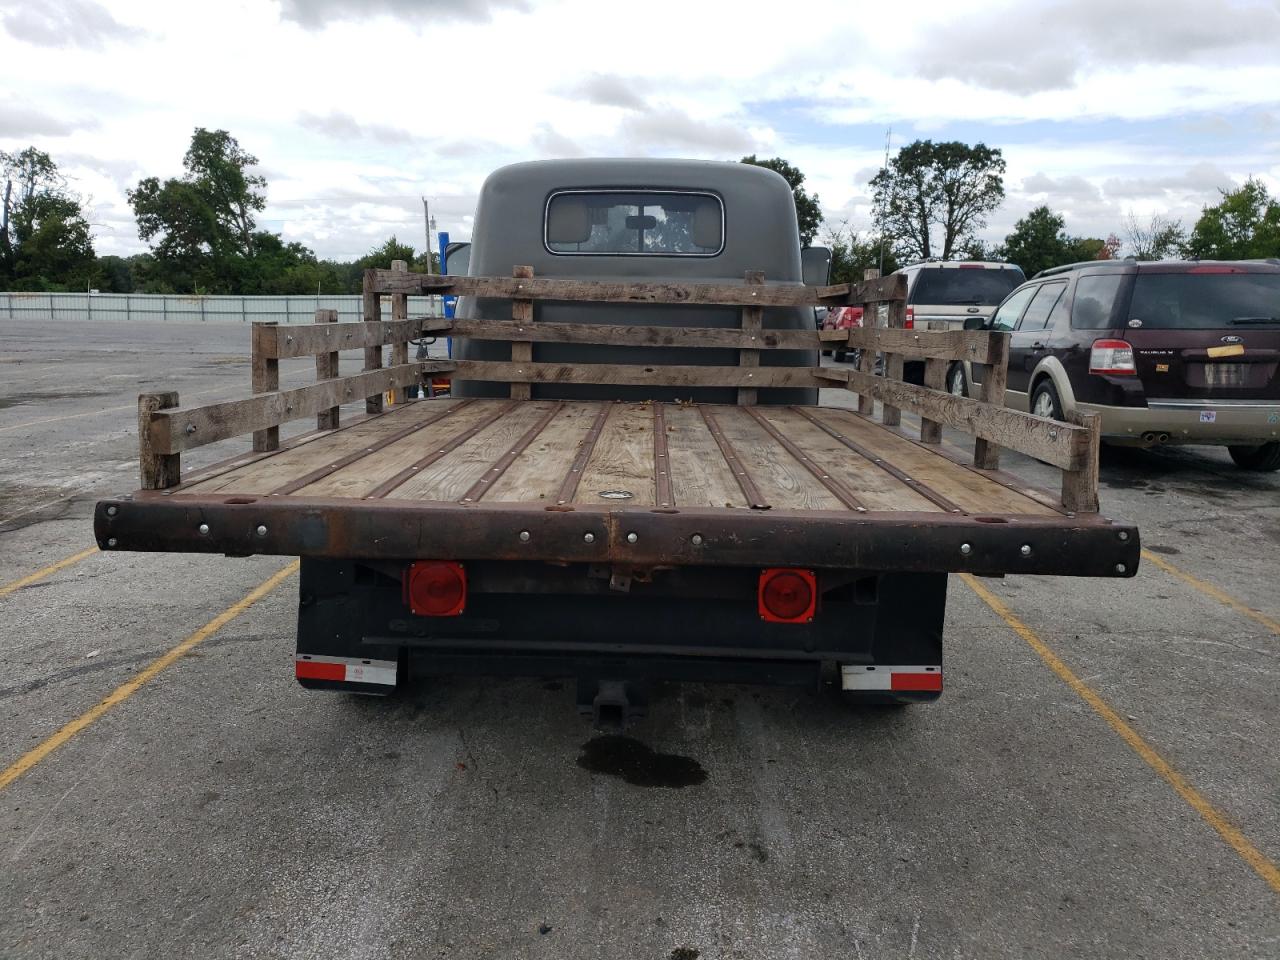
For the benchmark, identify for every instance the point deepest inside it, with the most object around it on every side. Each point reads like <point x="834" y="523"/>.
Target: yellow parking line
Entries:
<point x="1256" y="859"/>
<point x="132" y="686"/>
<point x="1212" y="591"/>
<point x="43" y="572"/>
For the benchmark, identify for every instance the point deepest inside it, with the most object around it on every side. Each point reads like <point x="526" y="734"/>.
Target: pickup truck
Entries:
<point x="633" y="479"/>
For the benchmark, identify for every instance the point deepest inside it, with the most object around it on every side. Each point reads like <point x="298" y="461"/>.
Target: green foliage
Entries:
<point x="851" y="255"/>
<point x="201" y="227"/>
<point x="1244" y="225"/>
<point x="808" y="212"/>
<point x="949" y="186"/>
<point x="1040" y="241"/>
<point x="45" y="241"/>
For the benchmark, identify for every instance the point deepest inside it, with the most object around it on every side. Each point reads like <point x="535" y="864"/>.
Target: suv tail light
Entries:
<point x="1112" y="357"/>
<point x="436" y="588"/>
<point x="911" y="319"/>
<point x="787" y="595"/>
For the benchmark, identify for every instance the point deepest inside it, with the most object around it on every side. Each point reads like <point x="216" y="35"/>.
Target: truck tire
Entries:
<point x="1265" y="456"/>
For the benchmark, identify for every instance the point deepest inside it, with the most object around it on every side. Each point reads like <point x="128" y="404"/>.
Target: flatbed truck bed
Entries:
<point x="489" y="478"/>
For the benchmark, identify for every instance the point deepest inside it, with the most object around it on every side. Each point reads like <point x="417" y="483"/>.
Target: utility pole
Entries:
<point x="426" y="229"/>
<point x="888" y="136"/>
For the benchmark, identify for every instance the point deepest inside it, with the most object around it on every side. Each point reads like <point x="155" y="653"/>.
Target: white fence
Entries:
<point x="174" y="308"/>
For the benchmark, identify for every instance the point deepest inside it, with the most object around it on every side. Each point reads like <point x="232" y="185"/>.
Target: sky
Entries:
<point x="356" y="109"/>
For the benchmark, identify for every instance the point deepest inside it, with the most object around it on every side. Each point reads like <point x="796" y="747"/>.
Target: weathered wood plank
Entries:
<point x="265" y="378"/>
<point x="521" y="316"/>
<point x="159" y="469"/>
<point x="995" y="376"/>
<point x="752" y="324"/>
<point x="327" y="365"/>
<point x="935" y="378"/>
<point x="1080" y="486"/>
<point x="399" y="313"/>
<point x="373" y="354"/>
<point x="308" y="340"/>
<point x="185" y="429"/>
<point x="636" y="374"/>
<point x="622" y="461"/>
<point x="635" y="335"/>
<point x="971" y="345"/>
<point x="1058" y="444"/>
<point x="604" y="291"/>
<point x="890" y="415"/>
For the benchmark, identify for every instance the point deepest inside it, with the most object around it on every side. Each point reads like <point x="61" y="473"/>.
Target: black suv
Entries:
<point x="1166" y="352"/>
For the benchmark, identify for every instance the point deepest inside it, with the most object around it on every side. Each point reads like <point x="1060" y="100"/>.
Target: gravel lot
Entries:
<point x="222" y="811"/>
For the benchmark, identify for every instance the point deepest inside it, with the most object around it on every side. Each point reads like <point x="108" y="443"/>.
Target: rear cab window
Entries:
<point x="634" y="223"/>
<point x="964" y="286"/>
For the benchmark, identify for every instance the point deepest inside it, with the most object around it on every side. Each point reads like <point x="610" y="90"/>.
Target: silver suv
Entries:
<point x="944" y="294"/>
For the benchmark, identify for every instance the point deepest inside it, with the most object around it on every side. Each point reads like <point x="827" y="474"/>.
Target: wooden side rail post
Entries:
<point x="265" y="373"/>
<point x="373" y="354"/>
<point x="995" y="376"/>
<point x="399" y="311"/>
<point x="890" y="415"/>
<point x="935" y="378"/>
<point x="521" y="350"/>
<point x="157" y="471"/>
<point x="327" y="369"/>
<point x="1080" y="486"/>
<point x="753" y="326"/>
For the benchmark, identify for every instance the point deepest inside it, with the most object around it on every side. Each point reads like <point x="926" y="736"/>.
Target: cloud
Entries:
<point x="670" y="128"/>
<point x="1062" y="188"/>
<point x="66" y="23"/>
<point x="1015" y="50"/>
<point x="342" y="126"/>
<point x="18" y="120"/>
<point x="550" y="143"/>
<point x="1201" y="179"/>
<point x="608" y="90"/>
<point x="316" y="14"/>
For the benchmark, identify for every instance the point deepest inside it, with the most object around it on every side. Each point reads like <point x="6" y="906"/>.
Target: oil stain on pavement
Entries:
<point x="638" y="764"/>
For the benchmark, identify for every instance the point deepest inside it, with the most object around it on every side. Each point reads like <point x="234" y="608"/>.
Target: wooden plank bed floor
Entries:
<point x="655" y="455"/>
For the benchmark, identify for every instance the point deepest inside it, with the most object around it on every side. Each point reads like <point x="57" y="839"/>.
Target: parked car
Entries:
<point x="1166" y="352"/>
<point x="945" y="294"/>
<point x="841" y="318"/>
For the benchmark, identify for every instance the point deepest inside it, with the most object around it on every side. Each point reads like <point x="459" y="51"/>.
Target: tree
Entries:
<point x="851" y="255"/>
<point x="951" y="186"/>
<point x="1244" y="225"/>
<point x="45" y="240"/>
<point x="1038" y="241"/>
<point x="1157" y="238"/>
<point x="200" y="225"/>
<point x="808" y="212"/>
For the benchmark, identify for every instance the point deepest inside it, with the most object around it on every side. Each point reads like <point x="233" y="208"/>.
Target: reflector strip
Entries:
<point x="345" y="669"/>
<point x="855" y="676"/>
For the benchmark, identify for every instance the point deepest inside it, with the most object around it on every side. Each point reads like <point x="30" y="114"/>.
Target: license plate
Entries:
<point x="1224" y="374"/>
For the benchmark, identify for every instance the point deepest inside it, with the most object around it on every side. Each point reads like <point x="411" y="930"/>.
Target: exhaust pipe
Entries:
<point x="1164" y="438"/>
<point x="1149" y="437"/>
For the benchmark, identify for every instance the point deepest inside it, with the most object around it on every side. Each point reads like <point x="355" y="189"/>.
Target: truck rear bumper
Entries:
<point x="937" y="542"/>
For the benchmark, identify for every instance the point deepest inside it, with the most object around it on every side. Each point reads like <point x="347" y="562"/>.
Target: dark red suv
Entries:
<point x="1166" y="352"/>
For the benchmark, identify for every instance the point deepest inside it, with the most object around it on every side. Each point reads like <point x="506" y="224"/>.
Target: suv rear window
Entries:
<point x="635" y="223"/>
<point x="967" y="286"/>
<point x="1199" y="301"/>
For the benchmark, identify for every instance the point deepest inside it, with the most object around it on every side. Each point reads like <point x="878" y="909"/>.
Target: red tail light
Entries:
<point x="436" y="588"/>
<point x="1113" y="357"/>
<point x="787" y="595"/>
<point x="911" y="319"/>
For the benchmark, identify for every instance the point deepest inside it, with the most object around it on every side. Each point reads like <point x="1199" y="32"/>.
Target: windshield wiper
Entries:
<point x="1241" y="321"/>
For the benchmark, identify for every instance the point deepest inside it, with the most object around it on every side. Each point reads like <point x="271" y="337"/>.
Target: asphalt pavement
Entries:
<point x="1101" y="777"/>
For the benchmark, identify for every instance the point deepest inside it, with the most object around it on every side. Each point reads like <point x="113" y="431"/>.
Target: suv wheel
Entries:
<point x="957" y="386"/>
<point x="1045" y="402"/>
<point x="1265" y="456"/>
